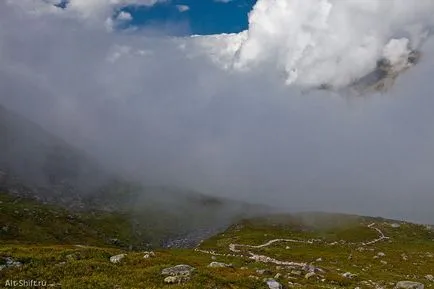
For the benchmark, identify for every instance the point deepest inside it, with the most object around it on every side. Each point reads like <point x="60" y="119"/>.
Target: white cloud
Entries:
<point x="124" y="16"/>
<point x="95" y="8"/>
<point x="324" y="41"/>
<point x="220" y="48"/>
<point x="182" y="8"/>
<point x="94" y="12"/>
<point x="159" y="109"/>
<point x="35" y="7"/>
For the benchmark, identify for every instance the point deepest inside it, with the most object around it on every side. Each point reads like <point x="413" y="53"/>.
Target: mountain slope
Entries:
<point x="37" y="165"/>
<point x="55" y="171"/>
<point x="357" y="251"/>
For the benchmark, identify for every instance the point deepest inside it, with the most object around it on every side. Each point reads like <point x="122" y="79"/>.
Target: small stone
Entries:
<point x="409" y="285"/>
<point x="117" y="258"/>
<point x="219" y="265"/>
<point x="277" y="276"/>
<point x="383" y="262"/>
<point x="381" y="254"/>
<point x="319" y="259"/>
<point x="73" y="257"/>
<point x="172" y="280"/>
<point x="309" y="275"/>
<point x="349" y="275"/>
<point x="12" y="263"/>
<point x="148" y="255"/>
<point x="429" y="278"/>
<point x="254" y="277"/>
<point x="296" y="272"/>
<point x="264" y="272"/>
<point x="311" y="268"/>
<point x="273" y="284"/>
<point x="115" y="241"/>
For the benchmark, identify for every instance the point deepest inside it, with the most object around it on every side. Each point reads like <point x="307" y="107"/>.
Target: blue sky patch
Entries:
<point x="203" y="16"/>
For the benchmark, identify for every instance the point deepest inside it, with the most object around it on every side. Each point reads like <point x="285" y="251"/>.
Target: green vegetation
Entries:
<point x="90" y="267"/>
<point x="25" y="221"/>
<point x="408" y="250"/>
<point x="72" y="250"/>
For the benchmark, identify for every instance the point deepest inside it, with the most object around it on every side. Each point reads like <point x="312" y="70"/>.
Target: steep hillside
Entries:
<point x="55" y="171"/>
<point x="35" y="164"/>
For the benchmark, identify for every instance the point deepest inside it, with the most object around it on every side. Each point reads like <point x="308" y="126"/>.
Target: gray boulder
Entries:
<point x="273" y="284"/>
<point x="178" y="270"/>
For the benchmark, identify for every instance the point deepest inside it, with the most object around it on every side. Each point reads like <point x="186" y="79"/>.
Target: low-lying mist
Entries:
<point x="158" y="111"/>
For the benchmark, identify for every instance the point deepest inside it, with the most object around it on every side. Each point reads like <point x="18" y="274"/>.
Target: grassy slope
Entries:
<point x="28" y="222"/>
<point x="49" y="253"/>
<point x="415" y="241"/>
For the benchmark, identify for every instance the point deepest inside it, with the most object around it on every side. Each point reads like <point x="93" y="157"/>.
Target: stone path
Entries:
<point x="381" y="238"/>
<point x="267" y="259"/>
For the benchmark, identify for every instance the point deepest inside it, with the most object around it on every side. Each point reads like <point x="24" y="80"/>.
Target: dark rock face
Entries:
<point x="383" y="77"/>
